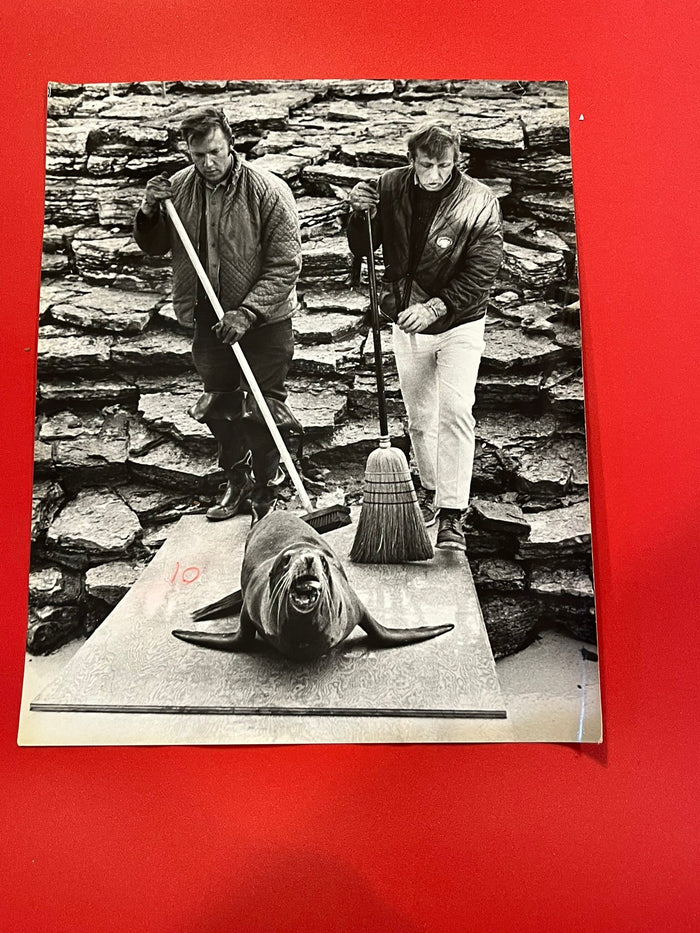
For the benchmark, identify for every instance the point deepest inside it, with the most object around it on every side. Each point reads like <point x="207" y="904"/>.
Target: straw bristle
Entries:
<point x="390" y="529"/>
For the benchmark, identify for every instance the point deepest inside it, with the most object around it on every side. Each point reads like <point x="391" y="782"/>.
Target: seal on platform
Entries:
<point x="295" y="594"/>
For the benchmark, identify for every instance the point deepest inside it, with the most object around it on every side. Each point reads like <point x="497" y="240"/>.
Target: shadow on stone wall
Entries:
<point x="117" y="458"/>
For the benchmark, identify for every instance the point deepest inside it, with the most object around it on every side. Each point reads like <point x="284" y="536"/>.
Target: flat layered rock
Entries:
<point x="169" y="414"/>
<point x="131" y="148"/>
<point x="319" y="217"/>
<point x="500" y="517"/>
<point x="499" y="390"/>
<point x="74" y="201"/>
<point x="109" y="309"/>
<point x="343" y="300"/>
<point x="95" y="458"/>
<point x="322" y="179"/>
<point x="281" y="164"/>
<point x="99" y="256"/>
<point x="362" y="396"/>
<point x="52" y="626"/>
<point x="510" y="349"/>
<point x="545" y="128"/>
<point x="58" y="292"/>
<point x="84" y="354"/>
<point x="153" y="351"/>
<point x="112" y="581"/>
<point x="527" y="232"/>
<point x="570" y="582"/>
<point x="155" y="504"/>
<point x="323" y="326"/>
<point x="546" y="169"/>
<point x="520" y="431"/>
<point x="77" y="391"/>
<point x="47" y="499"/>
<point x="498" y="575"/>
<point x="321" y="360"/>
<point x="143" y="438"/>
<point x="377" y="152"/>
<point x="535" y="316"/>
<point x="154" y="538"/>
<point x="347" y="111"/>
<point x="555" y="467"/>
<point x="54" y="586"/>
<point x="117" y="207"/>
<point x="66" y="148"/>
<point x="318" y="406"/>
<point x="353" y="440"/>
<point x="275" y="141"/>
<point x="491" y="132"/>
<point x="97" y="524"/>
<point x="169" y="464"/>
<point x="43" y="460"/>
<point x="559" y="532"/>
<point x="68" y="424"/>
<point x="510" y="622"/>
<point x="53" y="265"/>
<point x="326" y="261"/>
<point x="363" y="89"/>
<point x="551" y="206"/>
<point x="533" y="268"/>
<point x="564" y="391"/>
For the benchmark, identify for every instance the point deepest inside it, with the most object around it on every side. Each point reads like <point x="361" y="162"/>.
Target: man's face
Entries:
<point x="433" y="173"/>
<point x="211" y="155"/>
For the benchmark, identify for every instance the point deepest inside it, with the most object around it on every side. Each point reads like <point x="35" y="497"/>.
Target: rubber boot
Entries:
<point x="262" y="501"/>
<point x="239" y="485"/>
<point x="267" y="477"/>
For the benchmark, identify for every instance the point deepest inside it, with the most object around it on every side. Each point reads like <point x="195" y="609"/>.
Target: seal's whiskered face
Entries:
<point x="302" y="602"/>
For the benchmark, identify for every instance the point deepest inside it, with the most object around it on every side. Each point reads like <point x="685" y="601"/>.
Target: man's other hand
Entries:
<point x="363" y="197"/>
<point x="416" y="318"/>
<point x="233" y="326"/>
<point x="157" y="189"/>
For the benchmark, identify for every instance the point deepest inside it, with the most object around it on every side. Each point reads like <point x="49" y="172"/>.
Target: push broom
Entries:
<point x="321" y="519"/>
<point x="390" y="529"/>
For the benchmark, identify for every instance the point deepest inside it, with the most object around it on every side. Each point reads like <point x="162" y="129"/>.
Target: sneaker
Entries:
<point x="426" y="504"/>
<point x="450" y="535"/>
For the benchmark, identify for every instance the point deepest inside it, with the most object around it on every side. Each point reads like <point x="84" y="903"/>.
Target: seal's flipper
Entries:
<point x="240" y="640"/>
<point x="222" y="607"/>
<point x="385" y="637"/>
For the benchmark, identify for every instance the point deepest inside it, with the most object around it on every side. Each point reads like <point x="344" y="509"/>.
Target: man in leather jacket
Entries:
<point x="244" y="224"/>
<point x="442" y="239"/>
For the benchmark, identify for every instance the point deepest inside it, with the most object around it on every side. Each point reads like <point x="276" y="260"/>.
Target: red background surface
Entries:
<point x="418" y="838"/>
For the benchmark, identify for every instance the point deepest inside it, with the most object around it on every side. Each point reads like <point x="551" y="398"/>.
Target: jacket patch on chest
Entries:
<point x="444" y="242"/>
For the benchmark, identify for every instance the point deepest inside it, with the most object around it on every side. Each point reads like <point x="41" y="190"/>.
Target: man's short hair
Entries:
<point x="433" y="140"/>
<point x="202" y="122"/>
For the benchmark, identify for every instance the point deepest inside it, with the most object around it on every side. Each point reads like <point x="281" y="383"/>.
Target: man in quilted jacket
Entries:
<point x="244" y="224"/>
<point x="442" y="240"/>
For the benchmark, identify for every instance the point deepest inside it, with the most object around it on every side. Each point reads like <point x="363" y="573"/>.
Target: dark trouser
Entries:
<point x="269" y="351"/>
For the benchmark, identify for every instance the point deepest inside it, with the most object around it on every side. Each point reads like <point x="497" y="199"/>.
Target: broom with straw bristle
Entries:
<point x="390" y="529"/>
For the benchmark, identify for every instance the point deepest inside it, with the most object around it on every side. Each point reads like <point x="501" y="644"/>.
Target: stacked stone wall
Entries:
<point x="118" y="460"/>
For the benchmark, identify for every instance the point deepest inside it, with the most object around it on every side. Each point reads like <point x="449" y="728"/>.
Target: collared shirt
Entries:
<point x="214" y="196"/>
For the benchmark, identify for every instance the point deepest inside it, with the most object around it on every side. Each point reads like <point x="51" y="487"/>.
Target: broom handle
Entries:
<point x="378" y="369"/>
<point x="242" y="362"/>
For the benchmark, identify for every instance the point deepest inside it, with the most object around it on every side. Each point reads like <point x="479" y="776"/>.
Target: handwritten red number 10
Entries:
<point x="188" y="575"/>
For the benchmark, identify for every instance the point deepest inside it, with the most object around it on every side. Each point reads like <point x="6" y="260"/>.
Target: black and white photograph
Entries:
<point x="310" y="452"/>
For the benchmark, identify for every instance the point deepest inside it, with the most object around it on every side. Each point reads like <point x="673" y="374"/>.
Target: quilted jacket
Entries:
<point x="461" y="254"/>
<point x="259" y="243"/>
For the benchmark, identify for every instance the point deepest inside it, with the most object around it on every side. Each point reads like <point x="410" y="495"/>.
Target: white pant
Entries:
<point x="437" y="375"/>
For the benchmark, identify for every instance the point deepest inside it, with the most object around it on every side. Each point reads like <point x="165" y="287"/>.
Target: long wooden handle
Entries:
<point x="242" y="362"/>
<point x="376" y="338"/>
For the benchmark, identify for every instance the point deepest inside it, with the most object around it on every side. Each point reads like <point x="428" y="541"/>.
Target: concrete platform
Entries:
<point x="183" y="694"/>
